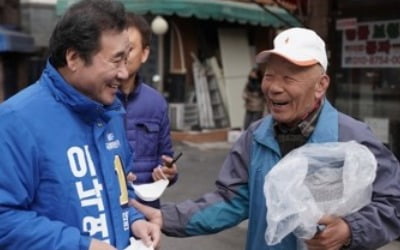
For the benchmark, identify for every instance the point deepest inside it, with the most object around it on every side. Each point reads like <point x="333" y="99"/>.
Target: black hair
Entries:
<point x="81" y="26"/>
<point x="140" y="23"/>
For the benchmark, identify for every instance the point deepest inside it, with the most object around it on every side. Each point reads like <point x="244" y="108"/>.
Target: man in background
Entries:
<point x="146" y="119"/>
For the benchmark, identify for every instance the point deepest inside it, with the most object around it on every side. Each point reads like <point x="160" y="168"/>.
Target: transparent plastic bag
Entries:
<point x="315" y="180"/>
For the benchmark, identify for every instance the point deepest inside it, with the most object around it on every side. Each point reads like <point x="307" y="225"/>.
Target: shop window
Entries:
<point x="372" y="95"/>
<point x="367" y="79"/>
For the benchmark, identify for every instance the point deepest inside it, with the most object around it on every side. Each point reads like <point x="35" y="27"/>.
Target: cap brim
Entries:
<point x="262" y="57"/>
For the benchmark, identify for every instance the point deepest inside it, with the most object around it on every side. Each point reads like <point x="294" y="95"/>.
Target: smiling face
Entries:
<point x="100" y="79"/>
<point x="292" y="91"/>
<point x="137" y="56"/>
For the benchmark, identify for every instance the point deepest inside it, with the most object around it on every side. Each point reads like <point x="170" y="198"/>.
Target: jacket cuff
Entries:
<point x="134" y="215"/>
<point x="355" y="228"/>
<point x="84" y="242"/>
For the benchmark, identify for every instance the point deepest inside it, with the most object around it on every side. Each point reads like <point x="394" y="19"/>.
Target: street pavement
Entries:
<point x="198" y="168"/>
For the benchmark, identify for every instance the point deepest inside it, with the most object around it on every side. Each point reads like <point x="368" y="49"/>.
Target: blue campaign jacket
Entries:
<point x="239" y="189"/>
<point x="148" y="131"/>
<point x="59" y="181"/>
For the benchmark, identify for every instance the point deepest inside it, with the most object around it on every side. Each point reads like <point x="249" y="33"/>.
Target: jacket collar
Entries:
<point x="135" y="91"/>
<point x="326" y="129"/>
<point x="87" y="108"/>
<point x="139" y="83"/>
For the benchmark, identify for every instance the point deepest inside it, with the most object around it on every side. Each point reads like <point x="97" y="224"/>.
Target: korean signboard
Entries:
<point x="372" y="45"/>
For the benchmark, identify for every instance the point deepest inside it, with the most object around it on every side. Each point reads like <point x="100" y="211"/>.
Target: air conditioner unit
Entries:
<point x="182" y="116"/>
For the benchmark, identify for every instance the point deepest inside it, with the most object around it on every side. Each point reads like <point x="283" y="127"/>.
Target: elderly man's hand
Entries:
<point x="149" y="233"/>
<point x="152" y="214"/>
<point x="336" y="234"/>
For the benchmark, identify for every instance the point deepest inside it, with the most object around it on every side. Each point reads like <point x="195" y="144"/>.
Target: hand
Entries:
<point x="100" y="245"/>
<point x="152" y="214"/>
<point x="336" y="234"/>
<point x="149" y="233"/>
<point x="131" y="177"/>
<point x="164" y="172"/>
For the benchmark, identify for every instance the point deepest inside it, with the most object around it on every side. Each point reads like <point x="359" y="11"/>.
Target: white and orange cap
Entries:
<point x="300" y="46"/>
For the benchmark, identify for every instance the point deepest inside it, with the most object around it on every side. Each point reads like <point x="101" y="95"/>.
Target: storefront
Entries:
<point x="221" y="35"/>
<point x="15" y="50"/>
<point x="365" y="56"/>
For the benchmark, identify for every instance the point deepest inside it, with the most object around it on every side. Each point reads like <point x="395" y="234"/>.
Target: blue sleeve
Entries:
<point x="377" y="223"/>
<point x="21" y="227"/>
<point x="134" y="215"/>
<point x="164" y="140"/>
<point x="129" y="165"/>
<point x="222" y="208"/>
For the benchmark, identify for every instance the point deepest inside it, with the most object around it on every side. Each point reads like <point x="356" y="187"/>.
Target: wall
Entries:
<point x="318" y="17"/>
<point x="38" y="19"/>
<point x="9" y="12"/>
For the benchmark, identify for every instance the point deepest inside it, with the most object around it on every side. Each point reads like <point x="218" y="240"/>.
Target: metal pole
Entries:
<point x="160" y="86"/>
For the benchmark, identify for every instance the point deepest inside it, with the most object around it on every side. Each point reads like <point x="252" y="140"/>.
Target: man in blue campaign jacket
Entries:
<point x="62" y="143"/>
<point x="146" y="120"/>
<point x="294" y="85"/>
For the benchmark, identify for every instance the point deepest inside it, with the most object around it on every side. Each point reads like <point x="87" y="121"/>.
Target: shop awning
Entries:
<point x="15" y="41"/>
<point x="220" y="10"/>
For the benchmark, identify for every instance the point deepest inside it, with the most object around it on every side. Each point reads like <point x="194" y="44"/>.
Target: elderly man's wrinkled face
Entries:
<point x="292" y="91"/>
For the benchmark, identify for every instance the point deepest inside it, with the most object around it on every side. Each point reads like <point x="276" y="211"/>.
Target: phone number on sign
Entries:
<point x="373" y="60"/>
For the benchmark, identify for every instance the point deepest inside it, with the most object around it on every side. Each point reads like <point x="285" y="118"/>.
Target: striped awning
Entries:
<point x="219" y="10"/>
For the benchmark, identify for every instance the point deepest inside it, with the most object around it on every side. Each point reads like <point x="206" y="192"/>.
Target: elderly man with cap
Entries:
<point x="294" y="85"/>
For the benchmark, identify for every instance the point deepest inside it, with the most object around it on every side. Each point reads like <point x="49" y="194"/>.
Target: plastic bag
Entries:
<point x="137" y="244"/>
<point x="315" y="180"/>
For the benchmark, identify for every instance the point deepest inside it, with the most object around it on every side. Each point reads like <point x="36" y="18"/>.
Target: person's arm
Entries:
<point x="245" y="95"/>
<point x="164" y="138"/>
<point x="96" y="244"/>
<point x="165" y="143"/>
<point x="140" y="228"/>
<point x="379" y="222"/>
<point x="225" y="207"/>
<point x="20" y="226"/>
<point x="148" y="232"/>
<point x="376" y="224"/>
